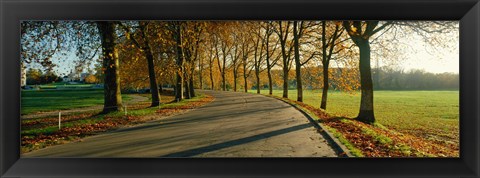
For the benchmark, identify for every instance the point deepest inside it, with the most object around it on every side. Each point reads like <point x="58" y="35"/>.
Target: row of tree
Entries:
<point x="189" y="54"/>
<point x="395" y="79"/>
<point x="37" y="77"/>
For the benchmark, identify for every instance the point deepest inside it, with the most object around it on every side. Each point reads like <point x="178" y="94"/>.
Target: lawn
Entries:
<point x="433" y="115"/>
<point x="48" y="100"/>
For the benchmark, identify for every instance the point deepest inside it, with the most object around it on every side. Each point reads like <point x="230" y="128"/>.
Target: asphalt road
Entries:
<point x="235" y="124"/>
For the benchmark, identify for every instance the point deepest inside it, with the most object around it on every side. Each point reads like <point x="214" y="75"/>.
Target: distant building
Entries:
<point x="72" y="77"/>
<point x="67" y="79"/>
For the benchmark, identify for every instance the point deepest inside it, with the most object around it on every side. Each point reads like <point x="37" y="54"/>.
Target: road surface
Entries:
<point x="235" y="124"/>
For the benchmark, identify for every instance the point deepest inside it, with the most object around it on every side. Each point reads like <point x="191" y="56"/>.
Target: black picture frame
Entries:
<point x="13" y="11"/>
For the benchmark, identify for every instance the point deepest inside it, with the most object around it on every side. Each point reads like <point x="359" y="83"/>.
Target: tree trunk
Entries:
<point x="325" y="63"/>
<point x="257" y="76"/>
<point x="285" y="68"/>
<point x="151" y="67"/>
<point x="298" y="65"/>
<point x="179" y="85"/>
<point x="285" y="81"/>
<point x="234" y="79"/>
<point x="267" y="40"/>
<point x="192" y="89"/>
<point x="366" y="113"/>
<point x="187" y="86"/>
<point x="245" y="83"/>
<point x="270" y="83"/>
<point x="211" y="77"/>
<point x="269" y="74"/>
<point x="323" y="104"/>
<point x="153" y="81"/>
<point x="112" y="93"/>
<point x="200" y="73"/>
<point x="224" y="83"/>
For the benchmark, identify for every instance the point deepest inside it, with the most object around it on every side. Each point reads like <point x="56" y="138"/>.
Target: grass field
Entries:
<point x="63" y="85"/>
<point x="47" y="100"/>
<point x="428" y="114"/>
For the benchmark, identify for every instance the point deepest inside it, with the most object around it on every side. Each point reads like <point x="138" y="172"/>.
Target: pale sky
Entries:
<point x="415" y="53"/>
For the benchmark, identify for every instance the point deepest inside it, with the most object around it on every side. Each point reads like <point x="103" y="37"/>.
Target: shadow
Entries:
<point x="234" y="103"/>
<point x="175" y="120"/>
<point x="197" y="151"/>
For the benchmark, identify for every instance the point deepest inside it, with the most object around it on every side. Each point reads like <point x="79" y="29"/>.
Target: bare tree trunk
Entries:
<point x="285" y="82"/>
<point x="325" y="63"/>
<point x="200" y="73"/>
<point x="285" y="59"/>
<point x="269" y="74"/>
<point x="112" y="93"/>
<point x="323" y="104"/>
<point x="153" y="81"/>
<point x="192" y="88"/>
<point x="224" y="81"/>
<point x="211" y="76"/>
<point x="270" y="82"/>
<point x="180" y="59"/>
<point x="235" y="79"/>
<point x="187" y="86"/>
<point x="245" y="83"/>
<point x="366" y="113"/>
<point x="298" y="65"/>
<point x="257" y="76"/>
<point x="221" y="67"/>
<point x="151" y="67"/>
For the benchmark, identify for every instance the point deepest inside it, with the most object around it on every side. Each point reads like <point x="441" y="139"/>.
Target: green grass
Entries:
<point x="47" y="100"/>
<point x="435" y="113"/>
<point x="63" y="85"/>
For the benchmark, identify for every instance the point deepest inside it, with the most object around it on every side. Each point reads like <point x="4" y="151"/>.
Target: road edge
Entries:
<point x="340" y="149"/>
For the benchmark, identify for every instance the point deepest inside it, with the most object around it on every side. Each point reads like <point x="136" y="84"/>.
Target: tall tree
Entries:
<point x="211" y="60"/>
<point x="259" y="47"/>
<point x="236" y="54"/>
<point x="245" y="54"/>
<point x="270" y="60"/>
<point x="283" y="32"/>
<point x="87" y="38"/>
<point x="328" y="44"/>
<point x="146" y="48"/>
<point x="223" y="47"/>
<point x="192" y="40"/>
<point x="360" y="33"/>
<point x="112" y="93"/>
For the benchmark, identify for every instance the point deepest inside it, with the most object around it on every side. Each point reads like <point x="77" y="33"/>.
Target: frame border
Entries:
<point x="467" y="11"/>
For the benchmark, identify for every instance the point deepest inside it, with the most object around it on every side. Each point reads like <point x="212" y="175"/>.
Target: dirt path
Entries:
<point x="134" y="99"/>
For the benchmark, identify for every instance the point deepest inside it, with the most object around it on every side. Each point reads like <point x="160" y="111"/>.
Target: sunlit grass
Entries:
<point x="33" y="101"/>
<point x="429" y="114"/>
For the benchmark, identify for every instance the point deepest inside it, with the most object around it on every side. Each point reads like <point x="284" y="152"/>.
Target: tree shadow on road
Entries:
<point x="218" y="146"/>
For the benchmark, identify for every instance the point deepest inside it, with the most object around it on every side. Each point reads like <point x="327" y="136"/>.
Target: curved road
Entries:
<point x="235" y="124"/>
